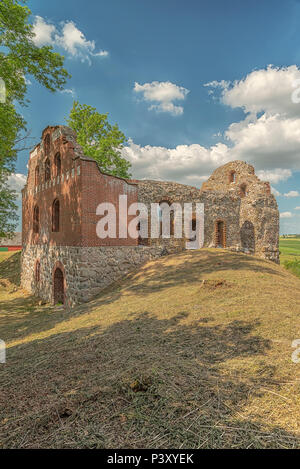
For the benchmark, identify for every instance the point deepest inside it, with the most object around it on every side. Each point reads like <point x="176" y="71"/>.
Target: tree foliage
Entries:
<point x="8" y="207"/>
<point x="99" y="139"/>
<point x="19" y="58"/>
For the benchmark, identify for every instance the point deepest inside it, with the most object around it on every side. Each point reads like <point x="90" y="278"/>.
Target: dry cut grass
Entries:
<point x="193" y="351"/>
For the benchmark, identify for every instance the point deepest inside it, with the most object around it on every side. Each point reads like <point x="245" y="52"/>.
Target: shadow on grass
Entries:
<point x="22" y="315"/>
<point x="192" y="266"/>
<point x="10" y="269"/>
<point x="141" y="383"/>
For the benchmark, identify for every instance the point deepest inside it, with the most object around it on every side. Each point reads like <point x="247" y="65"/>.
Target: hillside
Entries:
<point x="192" y="351"/>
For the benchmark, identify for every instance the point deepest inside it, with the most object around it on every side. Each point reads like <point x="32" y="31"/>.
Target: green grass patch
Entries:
<point x="293" y="266"/>
<point x="290" y="254"/>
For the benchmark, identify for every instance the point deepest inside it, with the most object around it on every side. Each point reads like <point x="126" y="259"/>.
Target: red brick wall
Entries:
<point x="98" y="188"/>
<point x="79" y="195"/>
<point x="67" y="191"/>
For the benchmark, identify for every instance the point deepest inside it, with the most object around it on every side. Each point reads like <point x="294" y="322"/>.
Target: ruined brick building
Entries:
<point x="63" y="259"/>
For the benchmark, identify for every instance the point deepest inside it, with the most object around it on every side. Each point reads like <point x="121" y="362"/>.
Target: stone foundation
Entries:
<point x="87" y="270"/>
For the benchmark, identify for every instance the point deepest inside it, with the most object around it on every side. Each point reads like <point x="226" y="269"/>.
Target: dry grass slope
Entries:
<point x="192" y="351"/>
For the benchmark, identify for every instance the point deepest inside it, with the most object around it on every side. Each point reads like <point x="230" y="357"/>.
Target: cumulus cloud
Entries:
<point x="275" y="192"/>
<point x="297" y="208"/>
<point x="267" y="90"/>
<point x="188" y="164"/>
<point x="44" y="32"/>
<point x="269" y="136"/>
<point x="292" y="194"/>
<point x="267" y="142"/>
<point x="274" y="175"/>
<point x="68" y="37"/>
<point x="286" y="215"/>
<point x="17" y="181"/>
<point x="162" y="94"/>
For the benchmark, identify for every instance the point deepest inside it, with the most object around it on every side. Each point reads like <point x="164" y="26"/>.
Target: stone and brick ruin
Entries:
<point x="63" y="259"/>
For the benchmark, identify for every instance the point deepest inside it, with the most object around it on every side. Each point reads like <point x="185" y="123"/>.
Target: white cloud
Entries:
<point x="71" y="92"/>
<point x="267" y="141"/>
<point x="297" y="208"/>
<point x="68" y="37"/>
<point x="275" y="175"/>
<point x="163" y="93"/>
<point x="188" y="164"/>
<point x="44" y="32"/>
<point x="275" y="192"/>
<point x="286" y="215"/>
<point x="218" y="84"/>
<point x="268" y="137"/>
<point x="101" y="53"/>
<point x="17" y="181"/>
<point x="292" y="194"/>
<point x="267" y="90"/>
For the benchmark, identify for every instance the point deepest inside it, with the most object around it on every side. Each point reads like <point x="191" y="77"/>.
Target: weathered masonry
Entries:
<point x="63" y="259"/>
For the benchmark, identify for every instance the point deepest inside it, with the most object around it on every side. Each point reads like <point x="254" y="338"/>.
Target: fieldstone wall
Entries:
<point x="217" y="206"/>
<point x="87" y="270"/>
<point x="234" y="195"/>
<point x="262" y="218"/>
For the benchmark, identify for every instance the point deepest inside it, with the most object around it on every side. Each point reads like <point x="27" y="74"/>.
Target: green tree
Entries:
<point x="99" y="139"/>
<point x="19" y="58"/>
<point x="8" y="216"/>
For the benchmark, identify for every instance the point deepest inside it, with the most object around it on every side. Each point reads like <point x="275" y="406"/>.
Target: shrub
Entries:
<point x="293" y="266"/>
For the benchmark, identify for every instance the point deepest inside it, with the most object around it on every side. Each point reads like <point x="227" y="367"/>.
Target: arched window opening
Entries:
<point x="248" y="236"/>
<point x="37" y="272"/>
<point x="59" y="287"/>
<point x="232" y="176"/>
<point x="36" y="175"/>
<point x="36" y="219"/>
<point x="47" y="170"/>
<point x="193" y="234"/>
<point x="57" y="162"/>
<point x="243" y="190"/>
<point x="55" y="216"/>
<point x="220" y="234"/>
<point x="47" y="144"/>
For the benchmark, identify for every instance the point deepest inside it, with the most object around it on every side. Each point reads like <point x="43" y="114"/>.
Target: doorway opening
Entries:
<point x="59" y="287"/>
<point x="248" y="236"/>
<point x="220" y="234"/>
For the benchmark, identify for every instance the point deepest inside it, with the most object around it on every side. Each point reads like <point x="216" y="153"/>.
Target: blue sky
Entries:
<point x="189" y="82"/>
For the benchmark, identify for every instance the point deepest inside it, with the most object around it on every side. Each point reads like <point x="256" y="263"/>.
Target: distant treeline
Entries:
<point x="291" y="236"/>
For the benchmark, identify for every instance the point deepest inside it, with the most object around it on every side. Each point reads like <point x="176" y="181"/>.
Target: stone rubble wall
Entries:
<point x="87" y="270"/>
<point x="217" y="206"/>
<point x="251" y="221"/>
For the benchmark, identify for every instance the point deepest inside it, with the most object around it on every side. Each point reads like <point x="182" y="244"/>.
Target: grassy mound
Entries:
<point x="192" y="351"/>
